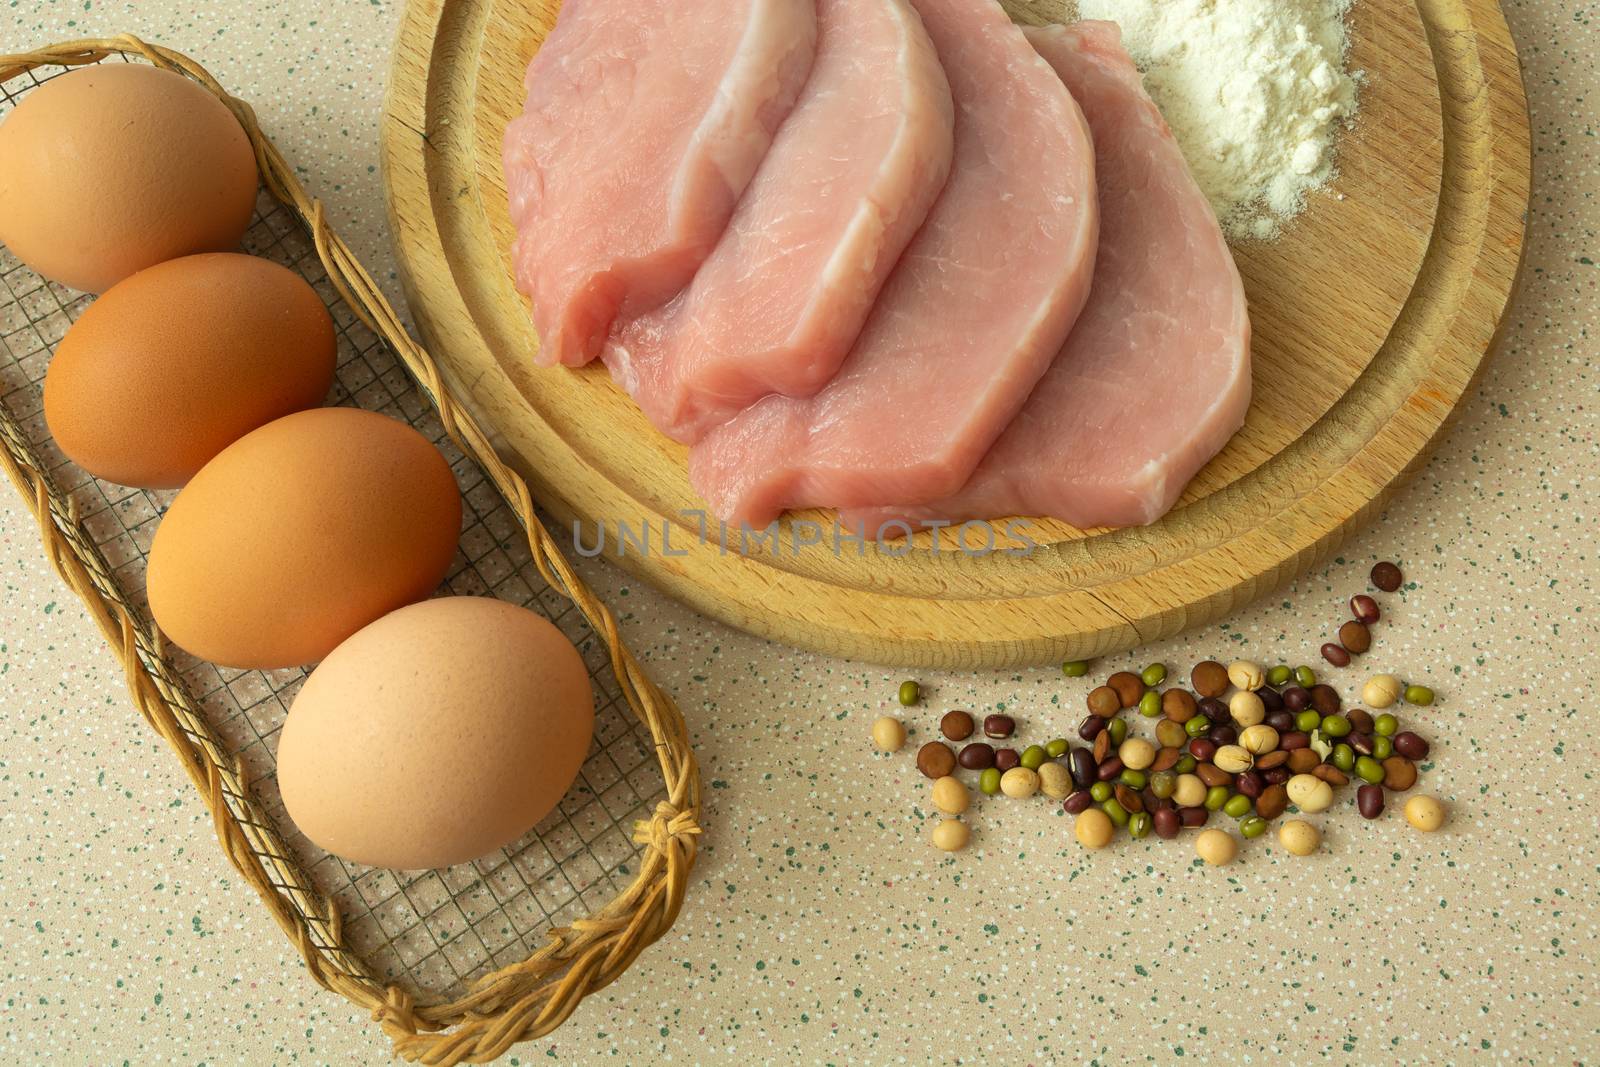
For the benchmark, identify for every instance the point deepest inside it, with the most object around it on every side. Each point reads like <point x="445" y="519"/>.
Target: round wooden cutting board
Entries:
<point x="1371" y="315"/>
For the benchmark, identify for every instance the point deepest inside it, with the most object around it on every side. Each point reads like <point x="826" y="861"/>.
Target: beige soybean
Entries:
<point x="1189" y="791"/>
<point x="1019" y="782"/>
<point x="1235" y="759"/>
<point x="1299" y="837"/>
<point x="1093" y="828"/>
<point x="1136" y="753"/>
<point x="1246" y="708"/>
<point x="1425" y="813"/>
<point x="1055" y="781"/>
<point x="889" y="734"/>
<point x="1216" y="847"/>
<point x="1259" y="739"/>
<point x="1381" y="691"/>
<point x="1246" y="675"/>
<point x="951" y="835"/>
<point x="950" y="796"/>
<point x="1310" y="794"/>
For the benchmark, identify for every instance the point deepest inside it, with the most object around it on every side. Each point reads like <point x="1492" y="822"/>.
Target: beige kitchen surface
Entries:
<point x="821" y="927"/>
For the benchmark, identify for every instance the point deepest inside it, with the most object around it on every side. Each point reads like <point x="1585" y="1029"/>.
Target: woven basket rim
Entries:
<point x="518" y="1002"/>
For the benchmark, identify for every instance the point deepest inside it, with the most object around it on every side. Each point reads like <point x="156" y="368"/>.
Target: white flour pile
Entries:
<point x="1255" y="91"/>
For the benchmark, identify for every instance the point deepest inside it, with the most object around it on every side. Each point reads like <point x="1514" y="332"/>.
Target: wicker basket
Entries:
<point x="455" y="965"/>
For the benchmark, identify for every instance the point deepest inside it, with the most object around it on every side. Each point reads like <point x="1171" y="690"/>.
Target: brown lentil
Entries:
<point x="1301" y="760"/>
<point x="1083" y="768"/>
<point x="1335" y="654"/>
<point x="1006" y="758"/>
<point x="1269" y="760"/>
<point x="1325" y="698"/>
<point x="1360" y="720"/>
<point x="935" y="760"/>
<point x="1369" y="801"/>
<point x="1387" y="576"/>
<point x="1104" y="702"/>
<point x="1331" y="774"/>
<point x="1102" y="745"/>
<point x="1128" y="799"/>
<point x="1209" y="678"/>
<point x="1399" y="774"/>
<point x="1179" y="705"/>
<point x="1410" y="745"/>
<point x="999" y="727"/>
<point x="976" y="756"/>
<point x="1128" y="686"/>
<point x="1355" y="637"/>
<point x="1294" y="739"/>
<point x="956" y="725"/>
<point x="1167" y="759"/>
<point x="1213" y="775"/>
<point x="1273" y="801"/>
<point x="1364" y="609"/>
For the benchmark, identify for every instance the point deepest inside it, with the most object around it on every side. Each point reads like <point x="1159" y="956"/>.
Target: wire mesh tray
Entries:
<point x="456" y="964"/>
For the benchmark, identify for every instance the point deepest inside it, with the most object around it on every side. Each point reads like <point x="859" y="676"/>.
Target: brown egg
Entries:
<point x="299" y="534"/>
<point x="441" y="732"/>
<point x="175" y="363"/>
<point x="112" y="168"/>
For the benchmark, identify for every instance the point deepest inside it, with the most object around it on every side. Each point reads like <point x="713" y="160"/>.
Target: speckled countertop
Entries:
<point x="821" y="927"/>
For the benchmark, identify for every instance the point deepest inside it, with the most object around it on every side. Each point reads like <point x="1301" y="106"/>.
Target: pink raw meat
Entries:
<point x="644" y="122"/>
<point x="1156" y="375"/>
<point x="849" y="179"/>
<point x="968" y="321"/>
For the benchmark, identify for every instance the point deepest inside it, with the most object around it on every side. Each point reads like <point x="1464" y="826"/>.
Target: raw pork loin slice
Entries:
<point x="644" y="123"/>
<point x="850" y="176"/>
<point x="1156" y="375"/>
<point x="968" y="321"/>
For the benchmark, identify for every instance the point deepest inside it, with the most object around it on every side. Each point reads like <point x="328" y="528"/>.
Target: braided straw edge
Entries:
<point x="516" y="1003"/>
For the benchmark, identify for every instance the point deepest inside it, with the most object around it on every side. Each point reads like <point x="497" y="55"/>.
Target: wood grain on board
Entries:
<point x="1371" y="316"/>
